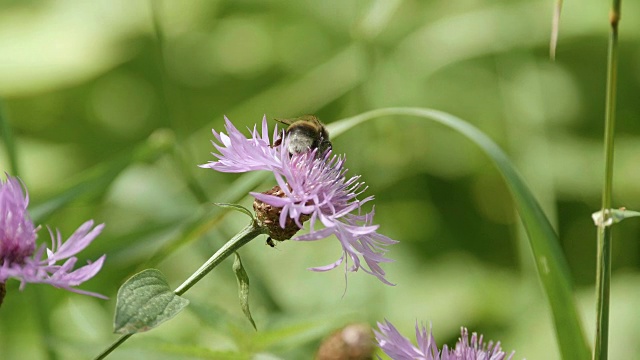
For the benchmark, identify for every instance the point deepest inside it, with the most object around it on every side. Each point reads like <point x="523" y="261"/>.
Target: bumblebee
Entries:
<point x="305" y="133"/>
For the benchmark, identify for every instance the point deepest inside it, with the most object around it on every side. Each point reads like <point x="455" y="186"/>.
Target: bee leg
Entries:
<point x="277" y="142"/>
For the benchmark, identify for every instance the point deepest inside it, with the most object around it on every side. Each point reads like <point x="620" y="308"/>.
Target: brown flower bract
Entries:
<point x="269" y="217"/>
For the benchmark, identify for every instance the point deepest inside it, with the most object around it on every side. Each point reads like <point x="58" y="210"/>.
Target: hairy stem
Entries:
<point x="240" y="239"/>
<point x="243" y="237"/>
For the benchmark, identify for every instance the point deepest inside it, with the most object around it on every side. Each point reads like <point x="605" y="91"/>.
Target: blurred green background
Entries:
<point x="85" y="84"/>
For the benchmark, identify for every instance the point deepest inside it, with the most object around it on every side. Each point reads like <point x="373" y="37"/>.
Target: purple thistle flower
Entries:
<point x="315" y="188"/>
<point x="399" y="347"/>
<point x="21" y="260"/>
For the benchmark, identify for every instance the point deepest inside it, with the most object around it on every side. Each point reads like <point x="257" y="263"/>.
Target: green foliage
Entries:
<point x="236" y="207"/>
<point x="243" y="288"/>
<point x="550" y="262"/>
<point x="86" y="85"/>
<point x="144" y="302"/>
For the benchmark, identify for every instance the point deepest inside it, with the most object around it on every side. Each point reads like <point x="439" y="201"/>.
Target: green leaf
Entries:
<point x="551" y="264"/>
<point x="236" y="207"/>
<point x="144" y="302"/>
<point x="243" y="288"/>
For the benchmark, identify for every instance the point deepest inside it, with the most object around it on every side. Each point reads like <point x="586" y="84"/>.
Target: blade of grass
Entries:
<point x="97" y="179"/>
<point x="9" y="143"/>
<point x="551" y="264"/>
<point x="603" y="266"/>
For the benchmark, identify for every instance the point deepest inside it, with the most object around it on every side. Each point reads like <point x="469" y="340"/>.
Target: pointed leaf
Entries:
<point x="555" y="29"/>
<point x="236" y="207"/>
<point x="551" y="264"/>
<point x="144" y="302"/>
<point x="243" y="288"/>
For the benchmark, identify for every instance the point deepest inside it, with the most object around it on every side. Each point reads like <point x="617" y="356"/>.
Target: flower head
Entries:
<point x="19" y="257"/>
<point x="399" y="347"/>
<point x="312" y="187"/>
<point x="17" y="233"/>
<point x="352" y="342"/>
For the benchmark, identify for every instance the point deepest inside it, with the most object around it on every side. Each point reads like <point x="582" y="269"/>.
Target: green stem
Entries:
<point x="245" y="235"/>
<point x="9" y="143"/>
<point x="113" y="346"/>
<point x="603" y="275"/>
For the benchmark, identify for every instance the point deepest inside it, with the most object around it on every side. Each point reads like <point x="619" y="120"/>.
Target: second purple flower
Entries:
<point x="22" y="260"/>
<point x="311" y="187"/>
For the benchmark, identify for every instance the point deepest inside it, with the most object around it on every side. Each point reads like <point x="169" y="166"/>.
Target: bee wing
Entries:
<point x="285" y="121"/>
<point x="308" y="118"/>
